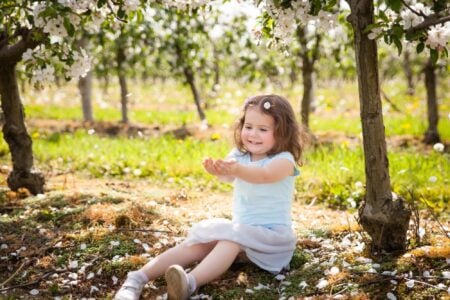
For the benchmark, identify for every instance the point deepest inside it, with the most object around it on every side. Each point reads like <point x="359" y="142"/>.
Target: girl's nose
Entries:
<point x="253" y="132"/>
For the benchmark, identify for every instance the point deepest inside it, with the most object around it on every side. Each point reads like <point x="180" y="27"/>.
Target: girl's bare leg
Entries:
<point x="180" y="255"/>
<point x="216" y="262"/>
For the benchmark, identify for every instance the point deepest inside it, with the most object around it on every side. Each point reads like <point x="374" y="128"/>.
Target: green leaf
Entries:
<point x="100" y="3"/>
<point x="121" y="13"/>
<point x="383" y="16"/>
<point x="398" y="44"/>
<point x="69" y="27"/>
<point x="434" y="54"/>
<point x="445" y="51"/>
<point x="395" y="5"/>
<point x="420" y="47"/>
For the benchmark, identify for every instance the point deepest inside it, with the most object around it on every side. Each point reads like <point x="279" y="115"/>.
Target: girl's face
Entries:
<point x="257" y="134"/>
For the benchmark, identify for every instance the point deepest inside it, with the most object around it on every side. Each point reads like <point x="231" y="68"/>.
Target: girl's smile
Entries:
<point x="258" y="133"/>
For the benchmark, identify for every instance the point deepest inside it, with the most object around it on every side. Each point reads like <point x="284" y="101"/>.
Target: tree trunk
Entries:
<point x="123" y="84"/>
<point x="432" y="134"/>
<point x="216" y="68"/>
<point x="189" y="74"/>
<point x="293" y="77"/>
<point x="16" y="135"/>
<point x="385" y="220"/>
<point x="309" y="58"/>
<point x="408" y="72"/>
<point x="85" y="87"/>
<point x="308" y="90"/>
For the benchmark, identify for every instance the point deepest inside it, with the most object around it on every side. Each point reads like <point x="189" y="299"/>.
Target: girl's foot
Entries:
<point x="131" y="289"/>
<point x="177" y="283"/>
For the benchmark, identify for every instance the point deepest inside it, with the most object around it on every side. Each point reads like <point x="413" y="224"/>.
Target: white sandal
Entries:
<point x="177" y="283"/>
<point x="131" y="289"/>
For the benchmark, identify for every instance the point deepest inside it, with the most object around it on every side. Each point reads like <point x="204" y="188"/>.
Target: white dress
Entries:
<point x="261" y="218"/>
<point x="270" y="249"/>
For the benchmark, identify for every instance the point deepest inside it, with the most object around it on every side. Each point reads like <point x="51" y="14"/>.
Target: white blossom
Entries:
<point x="391" y="296"/>
<point x="322" y="283"/>
<point x="438" y="36"/>
<point x="439" y="147"/>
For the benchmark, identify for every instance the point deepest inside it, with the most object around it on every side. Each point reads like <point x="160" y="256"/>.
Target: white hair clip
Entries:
<point x="266" y="105"/>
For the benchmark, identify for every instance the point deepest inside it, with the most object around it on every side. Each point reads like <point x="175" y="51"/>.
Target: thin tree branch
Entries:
<point x="25" y="263"/>
<point x="421" y="14"/>
<point x="34" y="281"/>
<point x="389" y="101"/>
<point x="428" y="22"/>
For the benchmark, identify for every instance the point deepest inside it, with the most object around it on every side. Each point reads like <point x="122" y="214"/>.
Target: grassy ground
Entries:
<point x="118" y="195"/>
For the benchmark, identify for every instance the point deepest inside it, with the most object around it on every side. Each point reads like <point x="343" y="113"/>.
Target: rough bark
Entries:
<point x="408" y="71"/>
<point x="85" y="88"/>
<point x="386" y="220"/>
<point x="308" y="91"/>
<point x="309" y="58"/>
<point x="432" y="133"/>
<point x="190" y="78"/>
<point x="123" y="84"/>
<point x="16" y="135"/>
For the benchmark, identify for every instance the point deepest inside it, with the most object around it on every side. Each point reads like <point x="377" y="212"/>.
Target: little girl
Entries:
<point x="263" y="169"/>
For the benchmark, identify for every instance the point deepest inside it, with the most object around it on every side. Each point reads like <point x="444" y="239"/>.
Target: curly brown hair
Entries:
<point x="287" y="132"/>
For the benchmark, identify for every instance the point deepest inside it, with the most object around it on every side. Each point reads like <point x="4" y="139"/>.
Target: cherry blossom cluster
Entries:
<point x="438" y="36"/>
<point x="43" y="60"/>
<point x="287" y="19"/>
<point x="411" y="16"/>
<point x="72" y="14"/>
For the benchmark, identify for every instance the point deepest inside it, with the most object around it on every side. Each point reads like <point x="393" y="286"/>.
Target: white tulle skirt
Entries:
<point x="270" y="249"/>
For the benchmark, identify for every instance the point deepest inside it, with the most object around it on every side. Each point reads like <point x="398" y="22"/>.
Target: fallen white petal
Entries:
<point x="34" y="292"/>
<point x="334" y="271"/>
<point x="446" y="274"/>
<point x="260" y="286"/>
<point x="280" y="277"/>
<point x="410" y="284"/>
<point x="73" y="264"/>
<point x="90" y="275"/>
<point x="322" y="283"/>
<point x="391" y="296"/>
<point x="421" y="232"/>
<point x="115" y="279"/>
<point x="249" y="291"/>
<point x="83" y="246"/>
<point x="302" y="285"/>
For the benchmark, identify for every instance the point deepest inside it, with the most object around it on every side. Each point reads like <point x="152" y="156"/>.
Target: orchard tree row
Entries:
<point x="59" y="37"/>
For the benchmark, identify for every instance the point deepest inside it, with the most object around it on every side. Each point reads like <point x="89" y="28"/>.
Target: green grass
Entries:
<point x="332" y="174"/>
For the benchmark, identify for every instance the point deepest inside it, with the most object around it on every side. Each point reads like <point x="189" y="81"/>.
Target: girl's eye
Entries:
<point x="248" y="127"/>
<point x="263" y="129"/>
